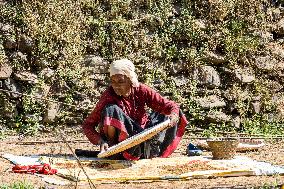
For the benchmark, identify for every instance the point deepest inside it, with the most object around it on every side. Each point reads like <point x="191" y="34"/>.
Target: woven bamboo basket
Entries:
<point x="223" y="148"/>
<point x="135" y="140"/>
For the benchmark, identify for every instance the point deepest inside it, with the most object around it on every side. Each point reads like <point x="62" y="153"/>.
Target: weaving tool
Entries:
<point x="135" y="139"/>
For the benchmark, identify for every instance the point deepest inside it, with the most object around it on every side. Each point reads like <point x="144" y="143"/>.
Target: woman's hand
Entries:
<point x="174" y="119"/>
<point x="103" y="145"/>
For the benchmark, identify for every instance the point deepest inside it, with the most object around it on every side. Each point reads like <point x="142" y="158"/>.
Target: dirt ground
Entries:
<point x="272" y="152"/>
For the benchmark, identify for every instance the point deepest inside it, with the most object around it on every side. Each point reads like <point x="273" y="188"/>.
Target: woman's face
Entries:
<point x="121" y="84"/>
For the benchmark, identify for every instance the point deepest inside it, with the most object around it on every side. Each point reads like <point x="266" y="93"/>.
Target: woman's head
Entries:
<point x="123" y="76"/>
<point x="121" y="84"/>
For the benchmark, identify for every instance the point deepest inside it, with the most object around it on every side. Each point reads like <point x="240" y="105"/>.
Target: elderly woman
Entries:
<point x="121" y="113"/>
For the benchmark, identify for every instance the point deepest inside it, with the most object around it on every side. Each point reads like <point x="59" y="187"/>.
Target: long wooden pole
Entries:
<point x="92" y="185"/>
<point x="204" y="138"/>
<point x="44" y="142"/>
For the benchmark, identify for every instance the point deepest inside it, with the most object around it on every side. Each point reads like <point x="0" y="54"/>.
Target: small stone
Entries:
<point x="5" y="71"/>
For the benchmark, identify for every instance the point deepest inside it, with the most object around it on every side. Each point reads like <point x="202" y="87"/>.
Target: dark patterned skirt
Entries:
<point x="161" y="145"/>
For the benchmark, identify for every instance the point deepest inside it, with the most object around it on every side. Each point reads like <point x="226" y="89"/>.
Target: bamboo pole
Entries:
<point x="233" y="133"/>
<point x="204" y="138"/>
<point x="86" y="141"/>
<point x="44" y="142"/>
<point x="92" y="185"/>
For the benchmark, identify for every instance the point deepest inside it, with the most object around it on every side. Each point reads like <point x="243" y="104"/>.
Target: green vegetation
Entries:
<point x="155" y="35"/>
<point x="18" y="185"/>
<point x="58" y="28"/>
<point x="261" y="124"/>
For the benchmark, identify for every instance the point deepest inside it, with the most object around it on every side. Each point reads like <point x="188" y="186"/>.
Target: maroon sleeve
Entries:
<point x="94" y="118"/>
<point x="158" y="103"/>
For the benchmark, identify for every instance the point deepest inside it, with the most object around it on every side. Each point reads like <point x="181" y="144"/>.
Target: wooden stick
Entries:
<point x="251" y="136"/>
<point x="86" y="141"/>
<point x="78" y="160"/>
<point x="43" y="142"/>
<point x="204" y="138"/>
<point x="224" y="132"/>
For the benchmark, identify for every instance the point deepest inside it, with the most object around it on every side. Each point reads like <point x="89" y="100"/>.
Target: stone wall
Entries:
<point x="222" y="61"/>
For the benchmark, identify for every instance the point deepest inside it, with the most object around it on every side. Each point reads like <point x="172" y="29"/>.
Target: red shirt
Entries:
<point x="134" y="106"/>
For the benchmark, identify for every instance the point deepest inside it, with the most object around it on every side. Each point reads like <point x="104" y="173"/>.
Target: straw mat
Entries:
<point x="135" y="140"/>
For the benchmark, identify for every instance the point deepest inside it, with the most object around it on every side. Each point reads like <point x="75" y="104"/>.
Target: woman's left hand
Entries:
<point x="103" y="145"/>
<point x="174" y="119"/>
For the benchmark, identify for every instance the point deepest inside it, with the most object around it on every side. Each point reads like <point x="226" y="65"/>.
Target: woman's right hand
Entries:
<point x="103" y="145"/>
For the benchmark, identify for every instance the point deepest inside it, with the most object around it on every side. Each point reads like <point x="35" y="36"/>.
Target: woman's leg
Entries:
<point x="164" y="143"/>
<point x="111" y="135"/>
<point x="117" y="126"/>
<point x="152" y="147"/>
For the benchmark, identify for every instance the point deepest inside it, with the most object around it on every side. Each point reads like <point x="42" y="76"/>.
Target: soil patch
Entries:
<point x="272" y="152"/>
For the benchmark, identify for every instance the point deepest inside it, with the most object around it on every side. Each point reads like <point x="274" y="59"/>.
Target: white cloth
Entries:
<point x="124" y="67"/>
<point x="22" y="160"/>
